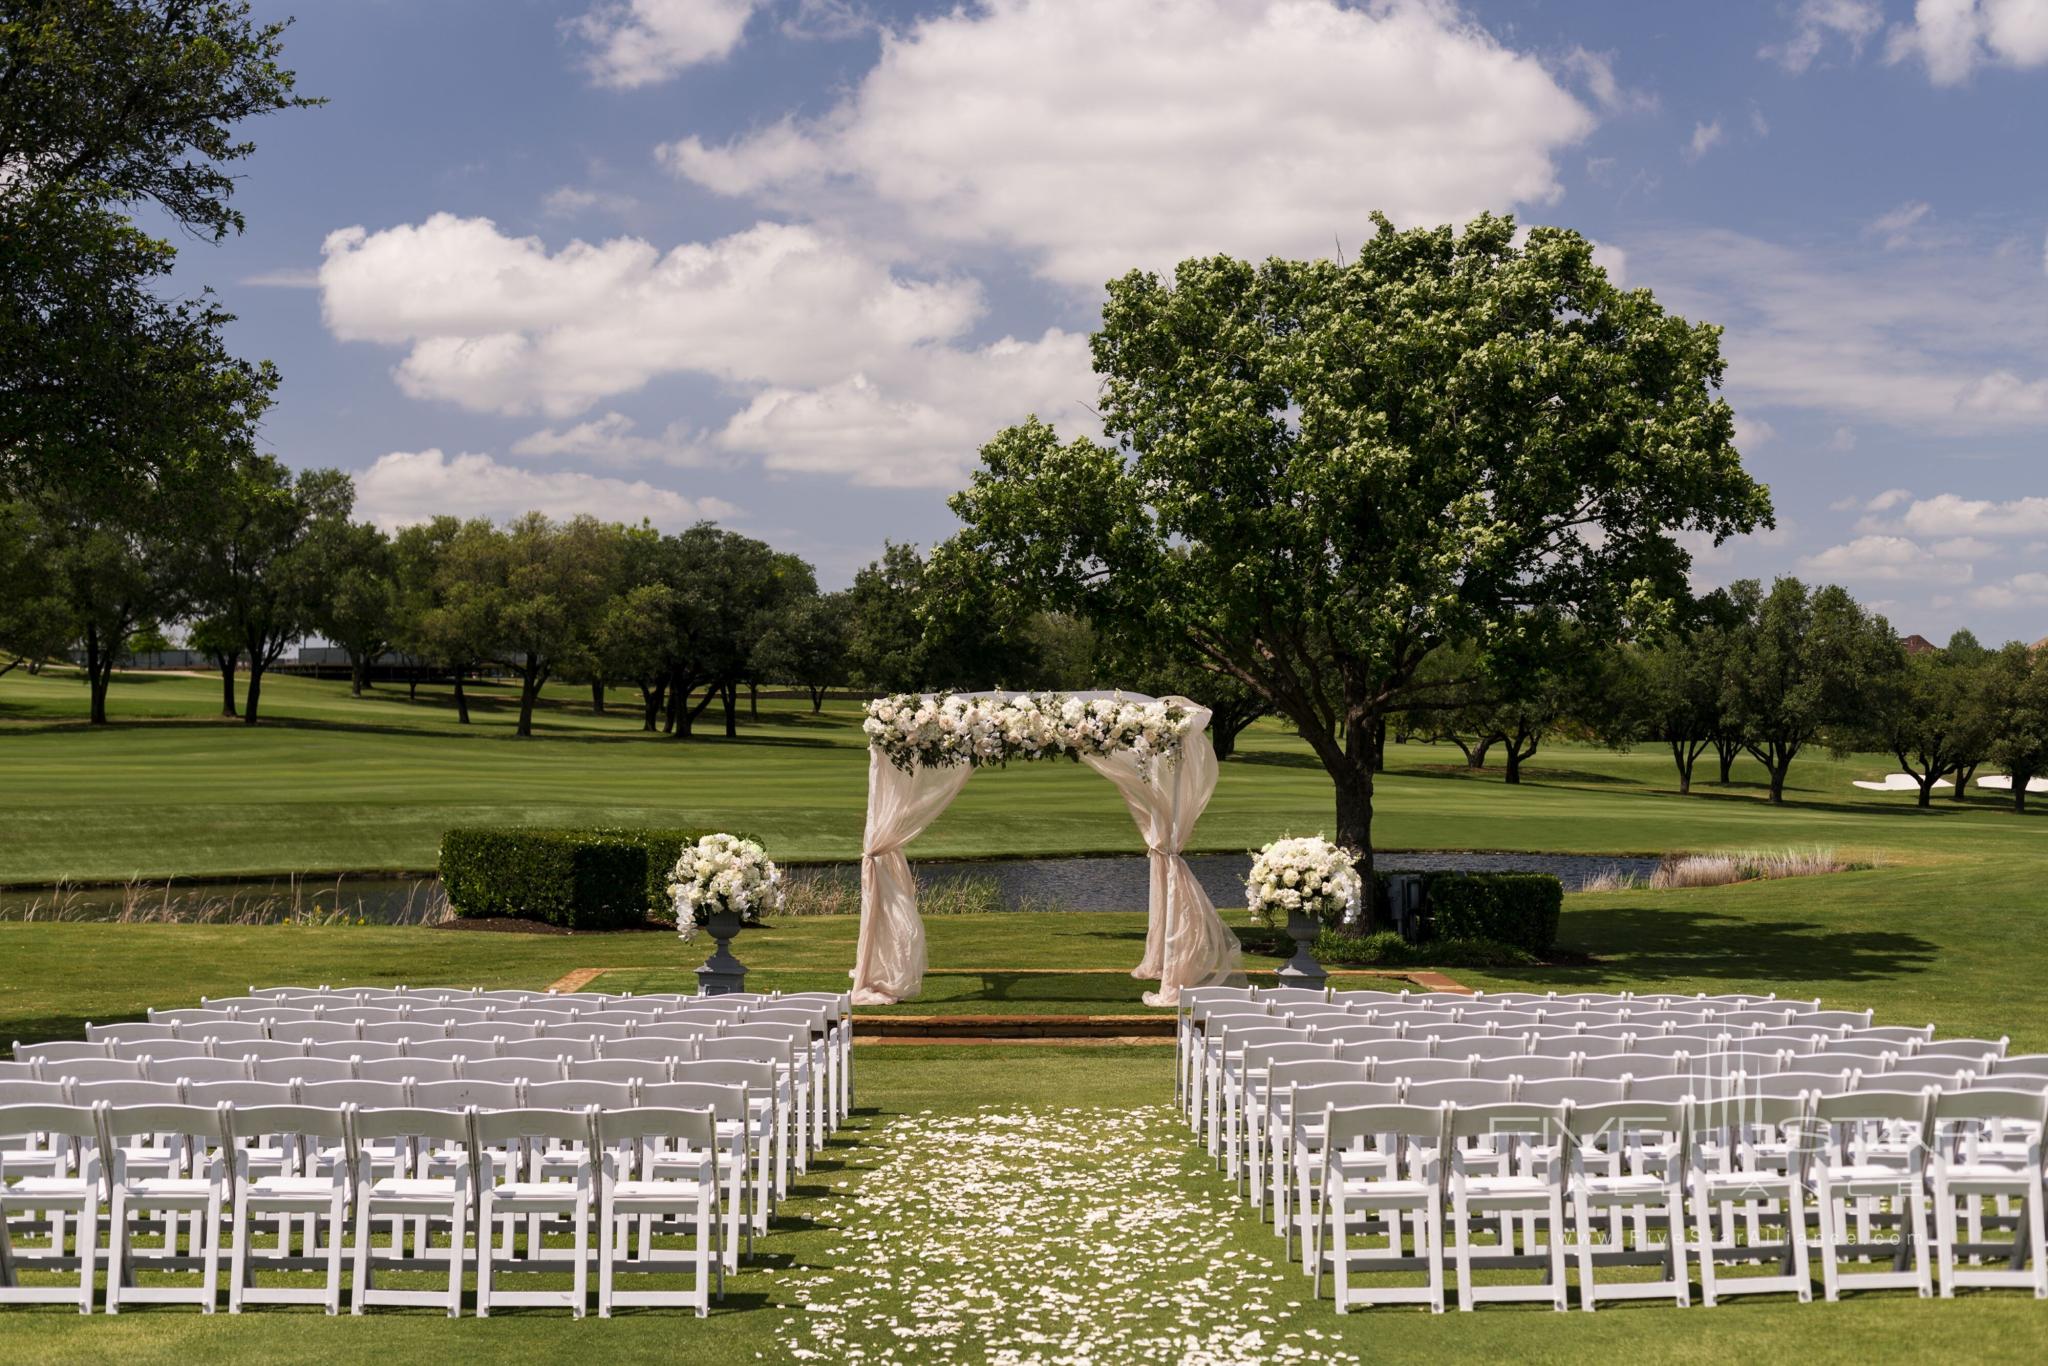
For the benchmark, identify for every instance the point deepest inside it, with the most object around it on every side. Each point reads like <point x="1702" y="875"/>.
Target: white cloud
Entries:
<point x="1122" y="133"/>
<point x="1596" y="71"/>
<point x="568" y="201"/>
<point x="1895" y="229"/>
<point x="500" y="324"/>
<point x="925" y="429"/>
<point x="613" y="440"/>
<point x="641" y="42"/>
<point x="1889" y="499"/>
<point x="1884" y="559"/>
<point x="1705" y="138"/>
<point x="410" y="486"/>
<point x="1949" y="514"/>
<point x="1941" y="339"/>
<point x="1964" y="548"/>
<point x="1842" y="439"/>
<point x="1752" y="432"/>
<point x="1952" y="38"/>
<point x="2021" y="590"/>
<point x="1815" y="22"/>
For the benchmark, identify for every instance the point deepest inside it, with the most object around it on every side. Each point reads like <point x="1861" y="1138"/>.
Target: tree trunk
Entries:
<point x="2019" y="792"/>
<point x="818" y="702"/>
<point x="412" y="686"/>
<point x="255" y="697"/>
<point x="1963" y="772"/>
<point x="753" y="700"/>
<point x="1725" y="751"/>
<point x="358" y="671"/>
<point x="96" y="676"/>
<point x="732" y="705"/>
<point x="1685" y="754"/>
<point x="1354" y="831"/>
<point x="227" y="663"/>
<point x="529" y="691"/>
<point x="1778" y="772"/>
<point x="461" y="700"/>
<point x="597" y="697"/>
<point x="677" y="708"/>
<point x="1379" y="744"/>
<point x="650" y="705"/>
<point x="1927" y="789"/>
<point x="14" y="664"/>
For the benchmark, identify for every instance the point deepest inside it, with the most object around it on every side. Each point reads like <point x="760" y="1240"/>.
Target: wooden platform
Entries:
<point x="1013" y="1028"/>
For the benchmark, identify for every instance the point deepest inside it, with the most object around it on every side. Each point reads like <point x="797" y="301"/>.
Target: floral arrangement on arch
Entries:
<point x="1306" y="874"/>
<point x="933" y="732"/>
<point x="722" y="873"/>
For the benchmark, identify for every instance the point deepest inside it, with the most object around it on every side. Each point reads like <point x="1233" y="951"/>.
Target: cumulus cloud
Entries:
<point x="1949" y="514"/>
<point x="1595" y="70"/>
<point x="288" y="277"/>
<point x="1815" y="23"/>
<point x="1884" y="559"/>
<point x="409" y="486"/>
<point x="1889" y="499"/>
<point x="1952" y="38"/>
<point x="1940" y="340"/>
<point x="501" y="324"/>
<point x="1705" y="138"/>
<point x="2021" y="590"/>
<point x="614" y="440"/>
<point x="1096" y="137"/>
<point x="1895" y="229"/>
<point x="641" y="42"/>
<point x="925" y="429"/>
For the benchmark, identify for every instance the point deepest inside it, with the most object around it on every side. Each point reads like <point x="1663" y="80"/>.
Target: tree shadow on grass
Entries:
<point x="542" y="731"/>
<point x="1637" y="944"/>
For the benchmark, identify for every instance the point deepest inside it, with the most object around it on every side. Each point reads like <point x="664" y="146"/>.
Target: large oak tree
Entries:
<point x="1323" y="470"/>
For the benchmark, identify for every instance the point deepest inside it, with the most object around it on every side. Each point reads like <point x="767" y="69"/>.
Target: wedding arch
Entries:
<point x="1156" y="751"/>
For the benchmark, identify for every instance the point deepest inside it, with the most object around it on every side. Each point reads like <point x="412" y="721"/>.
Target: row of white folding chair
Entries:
<point x="621" y="1165"/>
<point x="1450" y="1155"/>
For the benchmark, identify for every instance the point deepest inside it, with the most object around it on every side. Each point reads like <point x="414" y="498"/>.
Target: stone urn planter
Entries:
<point x="1303" y="970"/>
<point x="722" y="974"/>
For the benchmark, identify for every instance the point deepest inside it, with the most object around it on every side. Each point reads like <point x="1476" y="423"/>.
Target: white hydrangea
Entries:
<point x="1304" y="873"/>
<point x="913" y="731"/>
<point x="723" y="873"/>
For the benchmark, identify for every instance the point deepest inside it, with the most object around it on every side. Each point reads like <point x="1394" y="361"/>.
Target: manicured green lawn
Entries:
<point x="334" y="783"/>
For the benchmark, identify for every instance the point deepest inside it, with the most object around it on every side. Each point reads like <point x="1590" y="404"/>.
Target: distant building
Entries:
<point x="1920" y="645"/>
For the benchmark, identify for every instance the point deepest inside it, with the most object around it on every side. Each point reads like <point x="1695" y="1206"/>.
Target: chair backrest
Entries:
<point x="1266" y="1054"/>
<point x="547" y="1048"/>
<point x="644" y="1049"/>
<point x="757" y="1077"/>
<point x="1317" y="1072"/>
<point x="1207" y="1013"/>
<point x="1529" y="1067"/>
<point x="585" y="1031"/>
<point x="97" y="1069"/>
<point x="161" y="1049"/>
<point x="28" y="1069"/>
<point x="240" y="1093"/>
<point x="302" y="1069"/>
<point x="1576" y="1090"/>
<point x="1890" y="1108"/>
<point x="197" y="1069"/>
<point x="1485" y="1048"/>
<point x="312" y="1031"/>
<point x="28" y="1092"/>
<point x="406" y="1031"/>
<point x="1308" y="1102"/>
<point x="1967" y="1049"/>
<point x="1615" y="1126"/>
<point x="1990" y="1103"/>
<point x="1494" y="1119"/>
<point x="529" y="1014"/>
<point x="694" y="1128"/>
<point x="253" y="1121"/>
<point x="1386" y="1050"/>
<point x="208" y="1122"/>
<point x="726" y="1102"/>
<point x="465" y="1092"/>
<point x="1459" y="1091"/>
<point x="447" y="1050"/>
<point x="364" y="1094"/>
<point x="1345" y="1126"/>
<point x="1669" y="1088"/>
<point x="270" y="1016"/>
<point x="756" y="1050"/>
<point x="493" y="1029"/>
<point x="355" y="1048"/>
<point x="619" y="1069"/>
<point x="1833" y="1019"/>
<point x="1421" y="1069"/>
<point x="101" y="1033"/>
<point x="1369" y="1034"/>
<point x="512" y="1069"/>
<point x="1860" y="1046"/>
<point x="1895" y="1033"/>
<point x="56" y="1118"/>
<point x="363" y="1015"/>
<point x="59" y="1050"/>
<point x="408" y="1067"/>
<point x="411" y="1122"/>
<point x="579" y="1095"/>
<point x="224" y="1031"/>
<point x="561" y="1124"/>
<point x="677" y="1029"/>
<point x="446" y="1015"/>
<point x="2027" y="1064"/>
<point x="253" y="1049"/>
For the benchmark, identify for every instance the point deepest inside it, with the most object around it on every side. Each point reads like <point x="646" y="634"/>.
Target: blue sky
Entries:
<point x="786" y="263"/>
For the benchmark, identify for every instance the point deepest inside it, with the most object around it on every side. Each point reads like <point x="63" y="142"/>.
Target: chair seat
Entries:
<point x="1623" y="1185"/>
<point x="1506" y="1185"/>
<point x="1987" y="1173"/>
<point x="168" y="1188"/>
<point x="291" y="1186"/>
<point x="46" y="1188"/>
<point x="413" y="1188"/>
<point x="534" y="1190"/>
<point x="1871" y="1171"/>
<point x="655" y="1190"/>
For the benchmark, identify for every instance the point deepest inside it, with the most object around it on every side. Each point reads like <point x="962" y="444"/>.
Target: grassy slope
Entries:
<point x="336" y="783"/>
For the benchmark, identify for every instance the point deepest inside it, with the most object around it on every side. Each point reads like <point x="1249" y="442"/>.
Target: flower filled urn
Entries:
<point x="718" y="884"/>
<point x="1311" y="880"/>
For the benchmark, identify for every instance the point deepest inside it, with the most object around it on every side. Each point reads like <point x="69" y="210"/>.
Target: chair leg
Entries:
<point x="336" y="1216"/>
<point x="238" y="1257"/>
<point x="1945" y="1237"/>
<point x="2037" y="1236"/>
<point x="703" y="1258"/>
<point x="1832" y="1217"/>
<point x="458" y="1236"/>
<point x="484" y="1258"/>
<point x="359" y="1301"/>
<point x="606" y="1248"/>
<point x="117" y="1248"/>
<point x="581" y="1278"/>
<point x="1706" y="1246"/>
<point x="1584" y="1219"/>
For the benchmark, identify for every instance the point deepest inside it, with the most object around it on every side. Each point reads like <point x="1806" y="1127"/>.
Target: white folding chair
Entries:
<point x="62" y="1188"/>
<point x="556" y="1184"/>
<point x="1301" y="1092"/>
<point x="1747" y="1149"/>
<point x="1987" y="1145"/>
<point x="309" y="1182"/>
<point x="757" y="1081"/>
<point x="1480" y="1160"/>
<point x="1620" y="1166"/>
<point x="624" y="1139"/>
<point x="1409" y="1139"/>
<point x="197" y="1188"/>
<point x="1876" y="1144"/>
<point x="400" y="1197"/>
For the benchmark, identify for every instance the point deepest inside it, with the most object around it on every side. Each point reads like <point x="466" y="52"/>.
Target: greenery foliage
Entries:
<point x="1388" y="949"/>
<point x="580" y="880"/>
<point x="1519" y="909"/>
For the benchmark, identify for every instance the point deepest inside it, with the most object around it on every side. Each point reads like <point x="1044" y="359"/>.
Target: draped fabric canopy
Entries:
<point x="1186" y="942"/>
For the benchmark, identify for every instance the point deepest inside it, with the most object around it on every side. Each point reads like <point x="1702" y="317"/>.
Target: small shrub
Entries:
<point x="578" y="879"/>
<point x="1509" y="908"/>
<point x="1388" y="949"/>
<point x="664" y="846"/>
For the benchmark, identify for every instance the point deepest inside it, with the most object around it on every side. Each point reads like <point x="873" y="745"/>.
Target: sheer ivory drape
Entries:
<point x="888" y="966"/>
<point x="1186" y="942"/>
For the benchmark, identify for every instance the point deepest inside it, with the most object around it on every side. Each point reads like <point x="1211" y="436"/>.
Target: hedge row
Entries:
<point x="1520" y="909"/>
<point x="578" y="879"/>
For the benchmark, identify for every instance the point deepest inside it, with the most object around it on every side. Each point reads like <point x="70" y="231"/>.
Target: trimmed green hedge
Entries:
<point x="1520" y="909"/>
<point x="575" y="879"/>
<point x="662" y="846"/>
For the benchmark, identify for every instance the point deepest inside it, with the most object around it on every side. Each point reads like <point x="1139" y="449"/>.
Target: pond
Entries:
<point x="1105" y="883"/>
